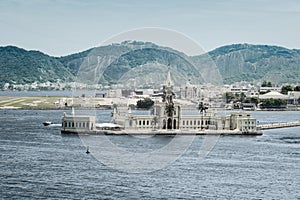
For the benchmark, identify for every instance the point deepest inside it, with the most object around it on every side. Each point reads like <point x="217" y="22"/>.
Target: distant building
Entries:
<point x="293" y="97"/>
<point x="269" y="89"/>
<point x="273" y="95"/>
<point x="243" y="87"/>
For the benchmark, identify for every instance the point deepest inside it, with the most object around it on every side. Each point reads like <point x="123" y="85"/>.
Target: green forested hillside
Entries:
<point x="120" y="63"/>
<point x="20" y="66"/>
<point x="245" y="62"/>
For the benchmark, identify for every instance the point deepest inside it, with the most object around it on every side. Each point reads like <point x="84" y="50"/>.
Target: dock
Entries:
<point x="278" y="125"/>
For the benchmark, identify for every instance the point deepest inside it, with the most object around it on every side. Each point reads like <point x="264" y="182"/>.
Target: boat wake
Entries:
<point x="54" y="125"/>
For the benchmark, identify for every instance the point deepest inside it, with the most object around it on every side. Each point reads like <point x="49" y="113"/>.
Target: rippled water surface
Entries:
<point x="39" y="162"/>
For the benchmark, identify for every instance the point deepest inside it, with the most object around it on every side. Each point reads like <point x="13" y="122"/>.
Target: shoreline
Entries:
<point x="62" y="103"/>
<point x="110" y="108"/>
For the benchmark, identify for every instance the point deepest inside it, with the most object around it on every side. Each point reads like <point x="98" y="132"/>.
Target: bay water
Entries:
<point x="37" y="162"/>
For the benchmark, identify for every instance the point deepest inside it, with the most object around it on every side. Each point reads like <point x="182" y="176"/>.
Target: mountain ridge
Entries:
<point x="229" y="63"/>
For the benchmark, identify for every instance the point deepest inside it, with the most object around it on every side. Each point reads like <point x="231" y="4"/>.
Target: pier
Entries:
<point x="278" y="125"/>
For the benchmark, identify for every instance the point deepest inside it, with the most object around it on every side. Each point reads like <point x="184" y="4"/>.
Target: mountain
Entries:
<point x="134" y="63"/>
<point x="21" y="66"/>
<point x="224" y="65"/>
<point x="131" y="63"/>
<point x="245" y="62"/>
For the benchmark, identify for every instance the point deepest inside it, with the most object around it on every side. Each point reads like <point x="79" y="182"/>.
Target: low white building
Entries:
<point x="293" y="97"/>
<point x="273" y="95"/>
<point x="269" y="89"/>
<point x="78" y="123"/>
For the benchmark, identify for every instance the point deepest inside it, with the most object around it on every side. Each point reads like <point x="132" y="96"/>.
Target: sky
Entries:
<point x="62" y="27"/>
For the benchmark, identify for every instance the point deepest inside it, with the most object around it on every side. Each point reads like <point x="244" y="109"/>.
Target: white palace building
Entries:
<point x="167" y="117"/>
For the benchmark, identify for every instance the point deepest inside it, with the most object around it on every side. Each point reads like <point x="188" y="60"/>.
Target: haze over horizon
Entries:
<point x="64" y="27"/>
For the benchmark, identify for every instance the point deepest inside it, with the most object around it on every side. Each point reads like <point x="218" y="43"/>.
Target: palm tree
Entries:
<point x="154" y="122"/>
<point x="170" y="109"/>
<point x="202" y="109"/>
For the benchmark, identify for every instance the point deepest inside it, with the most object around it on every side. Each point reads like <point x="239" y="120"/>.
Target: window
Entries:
<point x="140" y="122"/>
<point x="187" y="122"/>
<point x="147" y="122"/>
<point x="143" y="122"/>
<point x="183" y="122"/>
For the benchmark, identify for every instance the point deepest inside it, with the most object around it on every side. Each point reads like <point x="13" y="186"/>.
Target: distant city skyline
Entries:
<point x="63" y="27"/>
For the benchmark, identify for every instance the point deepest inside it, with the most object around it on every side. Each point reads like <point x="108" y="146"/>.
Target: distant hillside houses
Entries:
<point x="213" y="96"/>
<point x="269" y="89"/>
<point x="35" y="86"/>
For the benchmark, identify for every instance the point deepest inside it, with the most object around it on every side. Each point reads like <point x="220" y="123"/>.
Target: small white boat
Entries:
<point x="47" y="123"/>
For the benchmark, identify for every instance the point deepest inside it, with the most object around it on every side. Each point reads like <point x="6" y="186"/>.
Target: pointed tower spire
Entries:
<point x="169" y="82"/>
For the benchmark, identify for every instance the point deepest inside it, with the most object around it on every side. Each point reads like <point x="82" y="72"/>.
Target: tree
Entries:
<point x="242" y="97"/>
<point x="269" y="84"/>
<point x="273" y="103"/>
<point x="254" y="100"/>
<point x="154" y="122"/>
<point x="145" y="103"/>
<point x="170" y="109"/>
<point x="297" y="88"/>
<point x="286" y="88"/>
<point x="251" y="100"/>
<point x="266" y="84"/>
<point x="229" y="96"/>
<point x="201" y="107"/>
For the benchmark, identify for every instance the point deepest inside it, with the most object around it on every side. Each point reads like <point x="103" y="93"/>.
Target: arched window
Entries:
<point x="169" y="126"/>
<point x="174" y="124"/>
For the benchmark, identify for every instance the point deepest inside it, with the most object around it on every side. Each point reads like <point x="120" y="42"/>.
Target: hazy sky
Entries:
<point x="61" y="27"/>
